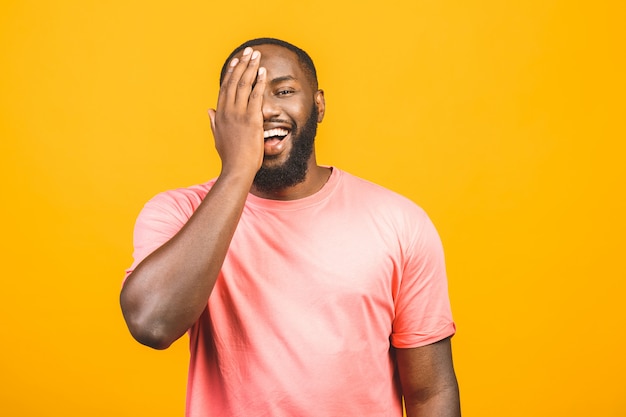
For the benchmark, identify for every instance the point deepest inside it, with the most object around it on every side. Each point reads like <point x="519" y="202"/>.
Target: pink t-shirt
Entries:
<point x="311" y="298"/>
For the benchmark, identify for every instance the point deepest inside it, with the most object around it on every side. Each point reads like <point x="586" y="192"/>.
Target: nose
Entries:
<point x="269" y="108"/>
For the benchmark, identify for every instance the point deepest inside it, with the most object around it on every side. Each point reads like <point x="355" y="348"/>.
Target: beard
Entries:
<point x="293" y="171"/>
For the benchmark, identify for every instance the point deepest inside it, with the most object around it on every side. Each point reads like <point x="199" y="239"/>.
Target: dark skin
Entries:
<point x="168" y="291"/>
<point x="428" y="381"/>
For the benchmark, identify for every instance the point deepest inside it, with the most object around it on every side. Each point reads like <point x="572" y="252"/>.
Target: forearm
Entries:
<point x="169" y="289"/>
<point x="443" y="403"/>
<point x="428" y="380"/>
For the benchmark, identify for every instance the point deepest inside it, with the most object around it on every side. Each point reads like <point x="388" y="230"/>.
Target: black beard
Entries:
<point x="293" y="170"/>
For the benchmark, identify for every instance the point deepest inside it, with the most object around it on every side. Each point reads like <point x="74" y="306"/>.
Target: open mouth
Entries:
<point x="275" y="134"/>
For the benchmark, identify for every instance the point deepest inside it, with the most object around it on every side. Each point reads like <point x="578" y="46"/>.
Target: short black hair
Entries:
<point x="303" y="58"/>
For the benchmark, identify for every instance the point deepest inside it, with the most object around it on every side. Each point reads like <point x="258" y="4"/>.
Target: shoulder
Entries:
<point x="179" y="203"/>
<point x="376" y="197"/>
<point x="395" y="217"/>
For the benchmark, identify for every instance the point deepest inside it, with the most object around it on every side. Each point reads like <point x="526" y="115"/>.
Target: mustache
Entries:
<point x="283" y="121"/>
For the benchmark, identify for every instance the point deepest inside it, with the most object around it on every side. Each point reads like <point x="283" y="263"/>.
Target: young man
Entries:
<point x="305" y="291"/>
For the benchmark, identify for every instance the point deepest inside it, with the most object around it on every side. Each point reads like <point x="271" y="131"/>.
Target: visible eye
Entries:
<point x="284" y="92"/>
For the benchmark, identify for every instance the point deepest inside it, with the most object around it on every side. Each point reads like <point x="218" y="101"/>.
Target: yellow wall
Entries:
<point x="505" y="120"/>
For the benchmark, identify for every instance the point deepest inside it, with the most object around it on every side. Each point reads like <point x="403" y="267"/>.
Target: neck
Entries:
<point x="315" y="179"/>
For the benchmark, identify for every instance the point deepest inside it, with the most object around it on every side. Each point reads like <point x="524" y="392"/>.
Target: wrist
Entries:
<point x="239" y="175"/>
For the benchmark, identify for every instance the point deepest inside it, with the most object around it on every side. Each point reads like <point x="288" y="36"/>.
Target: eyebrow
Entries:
<point x="283" y="78"/>
<point x="278" y="80"/>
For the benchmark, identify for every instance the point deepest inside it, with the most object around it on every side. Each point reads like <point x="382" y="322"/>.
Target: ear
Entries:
<point x="321" y="105"/>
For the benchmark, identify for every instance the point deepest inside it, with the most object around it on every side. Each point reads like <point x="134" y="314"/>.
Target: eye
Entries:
<point x="284" y="92"/>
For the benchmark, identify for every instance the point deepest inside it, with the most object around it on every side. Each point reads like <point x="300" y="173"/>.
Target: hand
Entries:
<point x="237" y="122"/>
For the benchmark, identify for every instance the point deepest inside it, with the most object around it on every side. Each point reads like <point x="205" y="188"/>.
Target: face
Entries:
<point x="276" y="175"/>
<point x="291" y="110"/>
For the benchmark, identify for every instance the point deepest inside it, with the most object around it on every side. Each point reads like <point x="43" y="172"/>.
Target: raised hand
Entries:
<point x="237" y="122"/>
<point x="169" y="289"/>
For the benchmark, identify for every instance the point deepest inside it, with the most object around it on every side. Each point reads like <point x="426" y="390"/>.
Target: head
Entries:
<point x="292" y="103"/>
<point x="303" y="58"/>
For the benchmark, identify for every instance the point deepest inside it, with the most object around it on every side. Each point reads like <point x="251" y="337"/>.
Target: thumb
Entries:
<point x="212" y="117"/>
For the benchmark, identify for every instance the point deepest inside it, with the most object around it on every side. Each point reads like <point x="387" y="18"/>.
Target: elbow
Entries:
<point x="153" y="342"/>
<point x="145" y="329"/>
<point x="150" y="336"/>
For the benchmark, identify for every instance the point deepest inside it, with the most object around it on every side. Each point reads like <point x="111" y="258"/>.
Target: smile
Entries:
<point x="277" y="133"/>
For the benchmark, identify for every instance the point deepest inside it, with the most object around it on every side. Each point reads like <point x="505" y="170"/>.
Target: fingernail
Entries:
<point x="234" y="62"/>
<point x="247" y="51"/>
<point x="261" y="71"/>
<point x="255" y="55"/>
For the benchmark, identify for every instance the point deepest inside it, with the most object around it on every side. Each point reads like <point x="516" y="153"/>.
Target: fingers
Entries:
<point x="237" y="121"/>
<point x="244" y="86"/>
<point x="256" y="96"/>
<point x="239" y="80"/>
<point x="223" y="93"/>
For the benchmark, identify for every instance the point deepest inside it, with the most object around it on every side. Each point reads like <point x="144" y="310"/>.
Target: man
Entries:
<point x="305" y="291"/>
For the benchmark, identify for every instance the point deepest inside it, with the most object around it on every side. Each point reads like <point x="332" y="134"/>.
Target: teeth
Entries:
<point x="275" y="132"/>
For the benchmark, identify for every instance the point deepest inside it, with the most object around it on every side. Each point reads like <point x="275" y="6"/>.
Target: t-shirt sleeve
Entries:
<point x="423" y="314"/>
<point x="159" y="220"/>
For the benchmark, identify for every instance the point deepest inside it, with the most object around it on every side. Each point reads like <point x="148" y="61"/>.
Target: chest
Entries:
<point x="344" y="253"/>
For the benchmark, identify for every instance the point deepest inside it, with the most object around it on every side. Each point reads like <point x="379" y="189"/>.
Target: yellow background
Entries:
<point x="504" y="120"/>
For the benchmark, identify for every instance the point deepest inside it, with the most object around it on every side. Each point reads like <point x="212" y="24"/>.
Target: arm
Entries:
<point x="169" y="289"/>
<point x="428" y="380"/>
